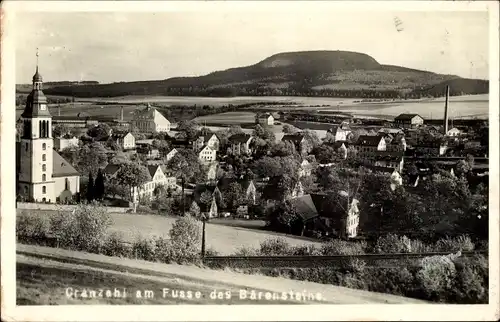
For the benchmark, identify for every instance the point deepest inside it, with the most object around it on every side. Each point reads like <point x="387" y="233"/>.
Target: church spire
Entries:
<point x="37" y="78"/>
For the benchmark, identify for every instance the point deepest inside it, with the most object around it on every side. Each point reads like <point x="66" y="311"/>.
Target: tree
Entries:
<point x="119" y="158"/>
<point x="133" y="175"/>
<point x="186" y="166"/>
<point x="100" y="131"/>
<point x="60" y="130"/>
<point x="289" y="129"/>
<point x="190" y="128"/>
<point x="99" y="186"/>
<point x="90" y="188"/>
<point x="234" y="196"/>
<point x="206" y="198"/>
<point x="311" y="140"/>
<point x="91" y="157"/>
<point x="283" y="149"/>
<point x="282" y="217"/>
<point x="326" y="154"/>
<point x="163" y="147"/>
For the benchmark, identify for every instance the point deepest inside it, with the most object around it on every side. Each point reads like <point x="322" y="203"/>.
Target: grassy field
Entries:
<point x="223" y="238"/>
<point x="229" y="118"/>
<point x="44" y="274"/>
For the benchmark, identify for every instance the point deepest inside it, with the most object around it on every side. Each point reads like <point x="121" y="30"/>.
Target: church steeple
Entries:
<point x="36" y="102"/>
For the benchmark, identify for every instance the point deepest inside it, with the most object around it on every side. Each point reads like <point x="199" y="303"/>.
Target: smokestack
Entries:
<point x="59" y="109"/>
<point x="121" y="114"/>
<point x="446" y="109"/>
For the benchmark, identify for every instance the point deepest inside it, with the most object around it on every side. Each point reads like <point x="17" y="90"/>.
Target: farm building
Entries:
<point x="63" y="143"/>
<point x="408" y="120"/>
<point x="266" y="119"/>
<point x="150" y="120"/>
<point x="125" y="140"/>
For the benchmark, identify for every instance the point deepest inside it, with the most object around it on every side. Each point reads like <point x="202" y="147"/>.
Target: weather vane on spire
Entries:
<point x="37" y="59"/>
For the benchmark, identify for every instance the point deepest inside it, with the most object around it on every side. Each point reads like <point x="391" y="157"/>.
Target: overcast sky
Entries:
<point x="111" y="47"/>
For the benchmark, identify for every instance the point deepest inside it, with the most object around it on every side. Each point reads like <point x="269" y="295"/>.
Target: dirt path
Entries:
<point x="43" y="270"/>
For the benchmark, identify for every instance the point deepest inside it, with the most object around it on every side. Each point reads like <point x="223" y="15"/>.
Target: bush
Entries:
<point x="246" y="251"/>
<point x="32" y="226"/>
<point x="274" y="247"/>
<point x="163" y="250"/>
<point x="460" y="243"/>
<point x="185" y="238"/>
<point x="114" y="246"/>
<point x="393" y="244"/>
<point x="471" y="285"/>
<point x="144" y="249"/>
<point x="398" y="281"/>
<point x="82" y="229"/>
<point x="342" y="247"/>
<point x="306" y="250"/>
<point x="436" y="277"/>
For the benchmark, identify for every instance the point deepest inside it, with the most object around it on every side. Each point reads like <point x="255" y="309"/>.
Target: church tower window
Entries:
<point x="44" y="146"/>
<point x="44" y="177"/>
<point x="44" y="189"/>
<point x="44" y="157"/>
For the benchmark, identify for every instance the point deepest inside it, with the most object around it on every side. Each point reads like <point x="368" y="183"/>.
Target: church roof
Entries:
<point x="61" y="167"/>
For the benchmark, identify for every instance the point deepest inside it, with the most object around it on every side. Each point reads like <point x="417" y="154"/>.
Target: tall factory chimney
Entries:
<point x="121" y="114"/>
<point x="446" y="109"/>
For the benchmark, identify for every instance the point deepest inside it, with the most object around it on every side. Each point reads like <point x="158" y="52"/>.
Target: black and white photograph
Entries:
<point x="255" y="159"/>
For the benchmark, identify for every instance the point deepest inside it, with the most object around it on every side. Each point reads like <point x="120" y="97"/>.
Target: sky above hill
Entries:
<point x="120" y="46"/>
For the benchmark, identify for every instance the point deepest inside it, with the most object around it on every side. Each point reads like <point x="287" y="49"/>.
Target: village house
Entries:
<point x="148" y="151"/>
<point x="171" y="154"/>
<point x="299" y="142"/>
<point x="273" y="191"/>
<point x="207" y="154"/>
<point x="320" y="213"/>
<point x="265" y="119"/>
<point x="63" y="143"/>
<point x="209" y="210"/>
<point x="340" y="147"/>
<point x="305" y="169"/>
<point x="210" y="140"/>
<point x="339" y="133"/>
<point x="431" y="149"/>
<point x="368" y="145"/>
<point x="388" y="160"/>
<point x="42" y="175"/>
<point x="158" y="178"/>
<point x="408" y="121"/>
<point x="397" y="144"/>
<point x="392" y="131"/>
<point x="150" y="120"/>
<point x="247" y="186"/>
<point x="125" y="140"/>
<point x="240" y="144"/>
<point x="454" y="132"/>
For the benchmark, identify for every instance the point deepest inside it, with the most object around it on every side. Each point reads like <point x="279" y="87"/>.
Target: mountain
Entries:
<point x="311" y="73"/>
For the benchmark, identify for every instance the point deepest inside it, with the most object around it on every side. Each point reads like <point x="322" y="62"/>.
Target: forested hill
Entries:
<point x="310" y="73"/>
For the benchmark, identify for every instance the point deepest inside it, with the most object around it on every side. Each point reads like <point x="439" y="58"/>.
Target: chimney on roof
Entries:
<point x="447" y="94"/>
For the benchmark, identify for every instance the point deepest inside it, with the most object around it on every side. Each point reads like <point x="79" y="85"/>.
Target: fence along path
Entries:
<point x="379" y="260"/>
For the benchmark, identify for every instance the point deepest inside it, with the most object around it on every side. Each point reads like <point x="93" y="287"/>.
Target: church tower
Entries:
<point x="36" y="156"/>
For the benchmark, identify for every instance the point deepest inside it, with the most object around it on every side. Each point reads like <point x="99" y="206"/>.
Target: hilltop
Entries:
<point x="307" y="73"/>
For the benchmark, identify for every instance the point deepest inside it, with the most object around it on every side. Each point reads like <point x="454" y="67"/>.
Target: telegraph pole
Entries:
<point x="203" y="220"/>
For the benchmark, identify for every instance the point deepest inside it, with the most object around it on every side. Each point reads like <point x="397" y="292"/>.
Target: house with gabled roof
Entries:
<point x="207" y="154"/>
<point x="210" y="140"/>
<point x="266" y="119"/>
<point x="406" y="120"/>
<point x="367" y="145"/>
<point x="150" y="120"/>
<point x="299" y="142"/>
<point x="124" y="139"/>
<point x="328" y="213"/>
<point x="341" y="132"/>
<point x="239" y="144"/>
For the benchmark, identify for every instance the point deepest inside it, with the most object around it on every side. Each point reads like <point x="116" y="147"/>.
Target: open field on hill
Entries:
<point x="224" y="239"/>
<point x="45" y="273"/>
<point x="229" y="118"/>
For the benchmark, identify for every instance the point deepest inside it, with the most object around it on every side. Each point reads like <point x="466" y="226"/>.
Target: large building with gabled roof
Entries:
<point x="42" y="174"/>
